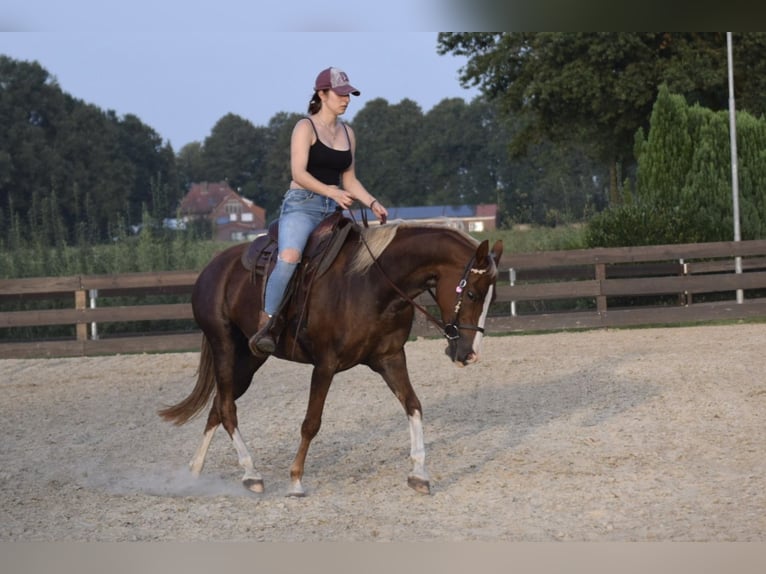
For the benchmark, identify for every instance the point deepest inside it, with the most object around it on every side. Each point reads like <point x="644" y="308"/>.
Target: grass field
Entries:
<point x="525" y="238"/>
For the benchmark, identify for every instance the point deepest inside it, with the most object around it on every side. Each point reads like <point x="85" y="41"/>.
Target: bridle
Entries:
<point x="450" y="330"/>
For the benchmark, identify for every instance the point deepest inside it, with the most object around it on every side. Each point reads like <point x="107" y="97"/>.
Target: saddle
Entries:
<point x="322" y="247"/>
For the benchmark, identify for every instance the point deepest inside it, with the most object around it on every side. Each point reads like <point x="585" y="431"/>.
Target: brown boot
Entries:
<point x="263" y="343"/>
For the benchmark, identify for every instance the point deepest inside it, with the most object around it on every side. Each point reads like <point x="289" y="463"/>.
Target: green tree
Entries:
<point x="451" y="156"/>
<point x="31" y="104"/>
<point x="600" y="87"/>
<point x="149" y="158"/>
<point x="190" y="164"/>
<point x="233" y="151"/>
<point x="706" y="199"/>
<point x="665" y="156"/>
<point x="751" y="150"/>
<point x="386" y="137"/>
<point x="88" y="161"/>
<point x="684" y="187"/>
<point x="53" y="144"/>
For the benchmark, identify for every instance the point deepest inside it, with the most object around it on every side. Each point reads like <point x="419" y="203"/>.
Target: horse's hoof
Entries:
<point x="253" y="484"/>
<point x="296" y="494"/>
<point x="419" y="485"/>
<point x="296" y="491"/>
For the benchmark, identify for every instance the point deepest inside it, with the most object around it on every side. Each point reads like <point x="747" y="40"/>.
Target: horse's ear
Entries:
<point x="481" y="254"/>
<point x="497" y="251"/>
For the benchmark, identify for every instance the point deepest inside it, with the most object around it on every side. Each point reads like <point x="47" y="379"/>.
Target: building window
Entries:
<point x="233" y="207"/>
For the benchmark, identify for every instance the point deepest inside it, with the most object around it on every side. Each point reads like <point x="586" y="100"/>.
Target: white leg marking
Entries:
<point x="479" y="336"/>
<point x="417" y="447"/>
<point x="245" y="460"/>
<point x="198" y="461"/>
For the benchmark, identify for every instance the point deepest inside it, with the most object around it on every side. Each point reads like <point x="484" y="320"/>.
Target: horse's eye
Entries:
<point x="472" y="296"/>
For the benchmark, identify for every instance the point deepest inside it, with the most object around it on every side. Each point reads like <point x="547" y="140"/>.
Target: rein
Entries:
<point x="450" y="330"/>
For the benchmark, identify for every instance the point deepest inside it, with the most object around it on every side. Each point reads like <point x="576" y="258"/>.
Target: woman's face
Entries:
<point x="335" y="103"/>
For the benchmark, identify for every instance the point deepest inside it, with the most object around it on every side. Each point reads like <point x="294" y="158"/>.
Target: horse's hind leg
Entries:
<point x="232" y="384"/>
<point x="198" y="462"/>
<point x="251" y="479"/>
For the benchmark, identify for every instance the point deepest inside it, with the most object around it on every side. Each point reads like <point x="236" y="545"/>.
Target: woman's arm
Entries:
<point x="353" y="186"/>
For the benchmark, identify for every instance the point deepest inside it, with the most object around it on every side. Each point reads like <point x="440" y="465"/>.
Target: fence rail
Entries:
<point x="570" y="289"/>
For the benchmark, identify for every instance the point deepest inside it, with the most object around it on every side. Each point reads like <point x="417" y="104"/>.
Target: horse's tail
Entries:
<point x="180" y="413"/>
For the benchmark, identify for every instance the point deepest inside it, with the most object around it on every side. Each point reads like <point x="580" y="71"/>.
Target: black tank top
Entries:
<point x="327" y="164"/>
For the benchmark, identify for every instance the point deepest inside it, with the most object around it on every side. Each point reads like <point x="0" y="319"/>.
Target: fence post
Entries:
<point x="601" y="299"/>
<point x="93" y="325"/>
<point x="512" y="273"/>
<point x="686" y="297"/>
<point x="80" y="302"/>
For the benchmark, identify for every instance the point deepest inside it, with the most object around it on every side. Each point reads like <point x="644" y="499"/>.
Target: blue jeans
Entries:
<point x="301" y="212"/>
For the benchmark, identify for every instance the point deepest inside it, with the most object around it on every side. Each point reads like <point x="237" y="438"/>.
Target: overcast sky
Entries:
<point x="181" y="65"/>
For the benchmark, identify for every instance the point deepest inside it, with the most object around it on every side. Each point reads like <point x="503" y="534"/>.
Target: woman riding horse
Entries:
<point x="322" y="150"/>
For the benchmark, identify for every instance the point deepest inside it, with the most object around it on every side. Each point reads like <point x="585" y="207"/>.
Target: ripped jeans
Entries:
<point x="301" y="212"/>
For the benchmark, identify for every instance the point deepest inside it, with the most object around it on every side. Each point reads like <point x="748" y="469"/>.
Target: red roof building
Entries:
<point x="234" y="218"/>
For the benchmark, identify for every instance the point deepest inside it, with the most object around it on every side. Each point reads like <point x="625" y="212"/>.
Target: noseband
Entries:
<point x="451" y="330"/>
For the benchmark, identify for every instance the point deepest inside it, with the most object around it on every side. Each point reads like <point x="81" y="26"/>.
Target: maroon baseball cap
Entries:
<point x="335" y="80"/>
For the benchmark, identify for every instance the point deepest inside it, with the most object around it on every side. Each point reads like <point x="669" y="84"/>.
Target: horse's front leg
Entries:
<point x="320" y="385"/>
<point x="393" y="369"/>
<point x="418" y="478"/>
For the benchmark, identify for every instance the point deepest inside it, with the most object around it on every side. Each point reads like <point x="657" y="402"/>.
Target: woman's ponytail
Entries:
<point x="315" y="104"/>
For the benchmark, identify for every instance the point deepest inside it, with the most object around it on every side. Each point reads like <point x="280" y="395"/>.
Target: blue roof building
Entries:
<point x="470" y="218"/>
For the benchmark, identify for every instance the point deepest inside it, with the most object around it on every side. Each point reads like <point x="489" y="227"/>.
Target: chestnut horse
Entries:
<point x="358" y="312"/>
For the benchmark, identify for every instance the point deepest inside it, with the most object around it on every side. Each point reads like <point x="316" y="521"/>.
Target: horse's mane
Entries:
<point x="374" y="241"/>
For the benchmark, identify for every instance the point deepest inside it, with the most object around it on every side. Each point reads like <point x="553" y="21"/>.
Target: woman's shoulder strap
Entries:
<point x="316" y="133"/>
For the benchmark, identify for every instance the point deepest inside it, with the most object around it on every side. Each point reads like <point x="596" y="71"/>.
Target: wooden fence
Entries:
<point x="573" y="289"/>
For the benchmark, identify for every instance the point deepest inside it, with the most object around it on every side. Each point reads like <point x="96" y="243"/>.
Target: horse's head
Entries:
<point x="465" y="304"/>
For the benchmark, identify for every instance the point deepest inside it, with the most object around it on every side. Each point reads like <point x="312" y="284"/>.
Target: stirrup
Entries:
<point x="262" y="344"/>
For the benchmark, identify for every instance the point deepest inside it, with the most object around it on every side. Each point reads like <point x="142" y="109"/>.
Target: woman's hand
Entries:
<point x="379" y="211"/>
<point x="343" y="198"/>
